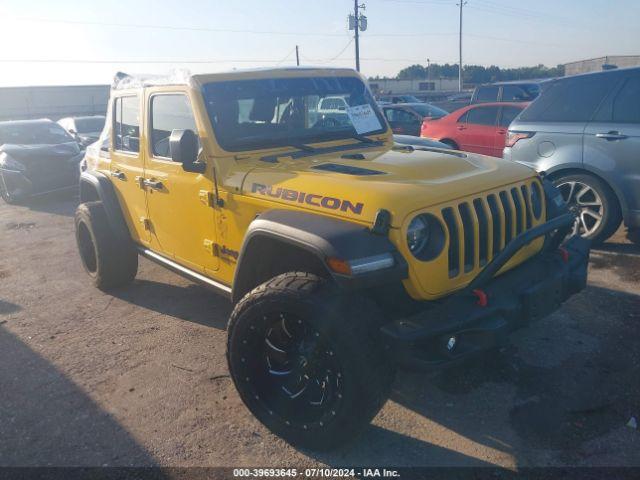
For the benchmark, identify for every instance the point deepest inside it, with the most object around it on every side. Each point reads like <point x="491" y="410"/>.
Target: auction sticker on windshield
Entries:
<point x="363" y="118"/>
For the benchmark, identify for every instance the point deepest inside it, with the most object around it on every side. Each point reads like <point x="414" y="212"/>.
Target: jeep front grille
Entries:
<point x="480" y="228"/>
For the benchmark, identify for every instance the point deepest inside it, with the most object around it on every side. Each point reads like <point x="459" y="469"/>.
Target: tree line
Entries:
<point x="477" y="73"/>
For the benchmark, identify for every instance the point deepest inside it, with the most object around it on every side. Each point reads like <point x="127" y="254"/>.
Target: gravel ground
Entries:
<point x="139" y="377"/>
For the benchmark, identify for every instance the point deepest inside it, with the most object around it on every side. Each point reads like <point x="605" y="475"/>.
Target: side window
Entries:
<point x="518" y="93"/>
<point x="483" y="116"/>
<point x="405" y="117"/>
<point x="626" y="104"/>
<point x="570" y="100"/>
<point x="168" y="113"/>
<point x="508" y="115"/>
<point x="126" y="124"/>
<point x="389" y="114"/>
<point x="487" y="94"/>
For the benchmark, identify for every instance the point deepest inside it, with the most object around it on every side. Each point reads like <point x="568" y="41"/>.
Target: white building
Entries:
<point x="418" y="88"/>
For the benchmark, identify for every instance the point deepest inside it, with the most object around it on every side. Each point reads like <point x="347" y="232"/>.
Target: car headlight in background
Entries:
<point x="425" y="237"/>
<point x="9" y="163"/>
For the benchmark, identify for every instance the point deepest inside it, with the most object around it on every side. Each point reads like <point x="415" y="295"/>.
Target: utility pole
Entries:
<point x="297" y="56"/>
<point x="461" y="4"/>
<point x="357" y="30"/>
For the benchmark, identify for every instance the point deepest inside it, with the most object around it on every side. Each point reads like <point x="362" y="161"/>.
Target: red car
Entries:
<point x="478" y="128"/>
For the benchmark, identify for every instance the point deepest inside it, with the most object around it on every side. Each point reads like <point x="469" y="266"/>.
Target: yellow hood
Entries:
<point x="400" y="182"/>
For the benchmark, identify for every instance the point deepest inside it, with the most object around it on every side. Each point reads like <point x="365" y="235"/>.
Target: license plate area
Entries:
<point x="543" y="299"/>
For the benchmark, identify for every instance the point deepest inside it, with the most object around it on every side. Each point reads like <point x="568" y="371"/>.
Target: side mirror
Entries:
<point x="183" y="145"/>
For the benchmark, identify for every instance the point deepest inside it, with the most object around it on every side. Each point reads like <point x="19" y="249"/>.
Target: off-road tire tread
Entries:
<point x="357" y="322"/>
<point x="117" y="260"/>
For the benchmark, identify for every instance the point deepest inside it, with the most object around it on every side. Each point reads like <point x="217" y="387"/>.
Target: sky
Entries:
<point x="71" y="42"/>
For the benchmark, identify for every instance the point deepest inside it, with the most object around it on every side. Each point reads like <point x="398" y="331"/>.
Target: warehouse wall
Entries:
<point x="52" y="102"/>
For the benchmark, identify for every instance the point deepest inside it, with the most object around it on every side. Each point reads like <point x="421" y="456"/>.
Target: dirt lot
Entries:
<point x="139" y="377"/>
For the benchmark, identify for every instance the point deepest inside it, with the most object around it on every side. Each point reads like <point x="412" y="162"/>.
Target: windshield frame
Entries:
<point x="249" y="144"/>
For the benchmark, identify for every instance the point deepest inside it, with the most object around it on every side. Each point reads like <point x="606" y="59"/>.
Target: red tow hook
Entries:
<point x="564" y="253"/>
<point x="483" y="300"/>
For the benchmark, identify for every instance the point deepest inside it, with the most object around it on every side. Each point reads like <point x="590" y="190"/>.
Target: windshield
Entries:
<point x="266" y="113"/>
<point x="429" y="111"/>
<point x="89" y="124"/>
<point x="33" y="134"/>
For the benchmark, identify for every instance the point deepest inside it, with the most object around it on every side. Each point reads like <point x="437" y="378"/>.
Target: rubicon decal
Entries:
<point x="330" y="203"/>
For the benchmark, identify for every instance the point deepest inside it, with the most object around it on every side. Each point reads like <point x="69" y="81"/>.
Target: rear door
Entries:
<point x="508" y="114"/>
<point x="612" y="139"/>
<point x="127" y="165"/>
<point x="477" y="133"/>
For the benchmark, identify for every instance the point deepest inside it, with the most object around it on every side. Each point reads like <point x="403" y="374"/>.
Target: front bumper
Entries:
<point x="459" y="326"/>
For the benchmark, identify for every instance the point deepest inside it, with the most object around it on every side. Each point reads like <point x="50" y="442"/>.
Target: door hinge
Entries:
<point x="146" y="223"/>
<point x="211" y="247"/>
<point x="206" y="198"/>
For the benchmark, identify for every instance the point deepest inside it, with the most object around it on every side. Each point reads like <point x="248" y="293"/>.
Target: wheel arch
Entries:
<point x="96" y="186"/>
<point x="560" y="171"/>
<point x="279" y="241"/>
<point x="452" y="143"/>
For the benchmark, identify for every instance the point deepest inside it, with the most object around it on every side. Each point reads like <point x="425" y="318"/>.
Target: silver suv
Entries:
<point x="584" y="132"/>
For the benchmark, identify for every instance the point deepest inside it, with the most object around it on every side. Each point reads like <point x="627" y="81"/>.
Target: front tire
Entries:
<point x="600" y="214"/>
<point x="306" y="360"/>
<point x="109" y="261"/>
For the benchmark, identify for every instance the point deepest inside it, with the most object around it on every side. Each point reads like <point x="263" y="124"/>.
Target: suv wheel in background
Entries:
<point x="109" y="261"/>
<point x="451" y="143"/>
<point x="600" y="215"/>
<point x="306" y="360"/>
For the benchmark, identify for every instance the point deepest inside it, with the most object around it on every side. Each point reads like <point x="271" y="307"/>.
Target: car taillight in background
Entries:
<point x="515" y="137"/>
<point x="423" y="128"/>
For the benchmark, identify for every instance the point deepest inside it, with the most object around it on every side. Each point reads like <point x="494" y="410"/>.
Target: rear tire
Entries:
<point x="633" y="234"/>
<point x="451" y="143"/>
<point x="108" y="260"/>
<point x="594" y="198"/>
<point x="306" y="360"/>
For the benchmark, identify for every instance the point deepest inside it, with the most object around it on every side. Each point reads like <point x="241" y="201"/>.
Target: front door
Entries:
<point x="127" y="165"/>
<point x="179" y="202"/>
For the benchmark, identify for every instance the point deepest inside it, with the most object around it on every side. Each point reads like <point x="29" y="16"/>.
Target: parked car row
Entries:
<point x="41" y="156"/>
<point x="582" y="131"/>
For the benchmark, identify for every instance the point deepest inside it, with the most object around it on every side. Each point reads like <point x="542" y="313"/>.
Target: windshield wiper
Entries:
<point x="362" y="138"/>
<point x="300" y="146"/>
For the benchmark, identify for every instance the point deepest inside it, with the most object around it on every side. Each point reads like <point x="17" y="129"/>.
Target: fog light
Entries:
<point x="451" y="343"/>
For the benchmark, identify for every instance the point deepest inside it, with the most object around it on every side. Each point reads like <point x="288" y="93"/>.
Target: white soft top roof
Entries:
<point x="123" y="80"/>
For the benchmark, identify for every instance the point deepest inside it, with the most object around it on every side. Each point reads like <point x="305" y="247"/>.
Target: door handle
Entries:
<point x="501" y="132"/>
<point x="119" y="175"/>
<point x="154" y="184"/>
<point x="613" y="135"/>
<point x="461" y="127"/>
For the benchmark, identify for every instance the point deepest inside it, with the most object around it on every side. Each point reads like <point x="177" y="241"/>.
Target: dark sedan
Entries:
<point x="406" y="118"/>
<point x="36" y="156"/>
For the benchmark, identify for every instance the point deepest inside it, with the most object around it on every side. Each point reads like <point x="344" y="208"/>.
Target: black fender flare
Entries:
<point x="322" y="237"/>
<point x="102" y="185"/>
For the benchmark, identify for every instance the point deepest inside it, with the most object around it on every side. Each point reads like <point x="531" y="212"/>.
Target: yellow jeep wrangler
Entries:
<point x="345" y="254"/>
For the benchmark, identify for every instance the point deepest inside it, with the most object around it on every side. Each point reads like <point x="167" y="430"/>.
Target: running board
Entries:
<point x="185" y="272"/>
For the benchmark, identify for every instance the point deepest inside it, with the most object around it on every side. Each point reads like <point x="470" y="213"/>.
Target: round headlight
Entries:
<point x="418" y="235"/>
<point x="536" y="199"/>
